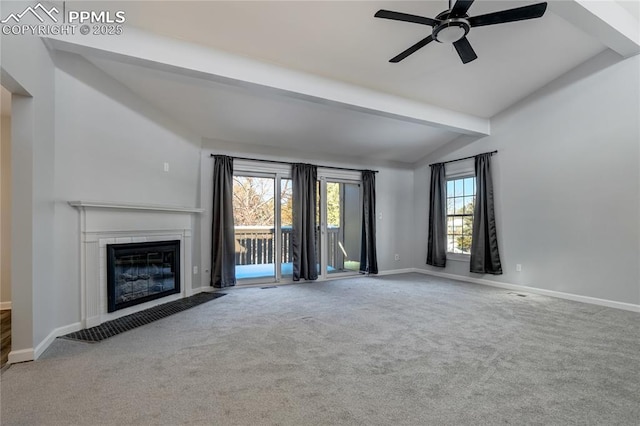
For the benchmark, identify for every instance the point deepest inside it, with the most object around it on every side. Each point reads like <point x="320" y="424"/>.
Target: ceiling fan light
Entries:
<point x="451" y="30"/>
<point x="450" y="34"/>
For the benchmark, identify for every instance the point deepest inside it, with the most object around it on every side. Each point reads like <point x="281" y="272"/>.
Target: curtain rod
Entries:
<point x="287" y="162"/>
<point x="465" y="158"/>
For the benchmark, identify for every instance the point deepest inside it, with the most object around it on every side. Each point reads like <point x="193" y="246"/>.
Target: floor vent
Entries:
<point x="518" y="294"/>
<point x="270" y="286"/>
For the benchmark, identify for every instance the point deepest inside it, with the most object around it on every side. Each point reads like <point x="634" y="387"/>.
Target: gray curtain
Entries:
<point x="437" y="243"/>
<point x="368" y="256"/>
<point x="303" y="235"/>
<point x="223" y="265"/>
<point x="485" y="258"/>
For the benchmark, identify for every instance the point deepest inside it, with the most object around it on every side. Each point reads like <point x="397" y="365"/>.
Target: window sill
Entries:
<point x="459" y="257"/>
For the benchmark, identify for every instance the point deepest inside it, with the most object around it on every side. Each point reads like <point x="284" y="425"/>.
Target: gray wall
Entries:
<point x="78" y="135"/>
<point x="567" y="184"/>
<point x="110" y="146"/>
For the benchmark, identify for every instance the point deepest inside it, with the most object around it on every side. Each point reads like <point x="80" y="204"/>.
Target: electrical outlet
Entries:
<point x="166" y="167"/>
<point x="518" y="267"/>
<point x="380" y="216"/>
<point x="397" y="256"/>
<point x="195" y="270"/>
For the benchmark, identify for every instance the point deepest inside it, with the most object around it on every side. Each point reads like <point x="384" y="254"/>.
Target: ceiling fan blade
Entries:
<point x="511" y="15"/>
<point x="465" y="51"/>
<point x="460" y="8"/>
<point x="419" y="45"/>
<point x="398" y="16"/>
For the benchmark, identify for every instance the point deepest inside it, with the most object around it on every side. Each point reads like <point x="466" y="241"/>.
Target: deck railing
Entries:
<point x="255" y="245"/>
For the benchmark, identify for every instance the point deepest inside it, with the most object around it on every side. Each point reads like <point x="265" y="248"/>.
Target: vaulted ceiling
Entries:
<point x="411" y="107"/>
<point x="343" y="41"/>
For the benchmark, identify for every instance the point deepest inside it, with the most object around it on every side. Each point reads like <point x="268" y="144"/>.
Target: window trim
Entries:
<point x="458" y="257"/>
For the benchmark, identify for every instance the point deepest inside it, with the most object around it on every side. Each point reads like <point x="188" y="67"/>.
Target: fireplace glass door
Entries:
<point x="140" y="272"/>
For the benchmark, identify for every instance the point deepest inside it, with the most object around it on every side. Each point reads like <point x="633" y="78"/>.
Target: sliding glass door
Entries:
<point x="286" y="221"/>
<point x="254" y="218"/>
<point x="343" y="227"/>
<point x="263" y="217"/>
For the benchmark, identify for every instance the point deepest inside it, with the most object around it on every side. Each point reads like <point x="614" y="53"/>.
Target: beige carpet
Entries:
<point x="398" y="350"/>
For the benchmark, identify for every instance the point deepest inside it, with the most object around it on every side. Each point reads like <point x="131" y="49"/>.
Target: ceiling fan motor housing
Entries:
<point x="450" y="30"/>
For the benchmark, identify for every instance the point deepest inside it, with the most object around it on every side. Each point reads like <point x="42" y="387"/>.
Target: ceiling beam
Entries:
<point x="607" y="21"/>
<point x="143" y="48"/>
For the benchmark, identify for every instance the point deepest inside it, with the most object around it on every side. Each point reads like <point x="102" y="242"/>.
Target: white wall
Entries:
<point x="5" y="206"/>
<point x="394" y="191"/>
<point x="111" y="146"/>
<point x="567" y="184"/>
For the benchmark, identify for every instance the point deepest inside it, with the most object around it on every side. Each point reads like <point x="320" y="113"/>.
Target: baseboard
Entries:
<point x="31" y="354"/>
<point x="22" y="355"/>
<point x="522" y="288"/>
<point x="396" y="271"/>
<point x="5" y="306"/>
<point x="70" y="328"/>
<point x="207" y="289"/>
<point x="289" y="281"/>
<point x="57" y="332"/>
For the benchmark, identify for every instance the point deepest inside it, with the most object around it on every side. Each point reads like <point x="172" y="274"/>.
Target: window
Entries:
<point x="461" y="197"/>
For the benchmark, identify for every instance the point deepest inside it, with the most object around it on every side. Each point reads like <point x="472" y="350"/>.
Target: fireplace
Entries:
<point x="140" y="272"/>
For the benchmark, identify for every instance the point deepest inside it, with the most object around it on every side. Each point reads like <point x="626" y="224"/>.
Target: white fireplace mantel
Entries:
<point x="131" y="206"/>
<point x="104" y="223"/>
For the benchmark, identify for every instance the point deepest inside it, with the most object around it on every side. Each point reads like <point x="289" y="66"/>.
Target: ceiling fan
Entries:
<point x="453" y="25"/>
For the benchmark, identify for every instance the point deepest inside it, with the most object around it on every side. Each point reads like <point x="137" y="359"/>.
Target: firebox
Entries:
<point x="140" y="272"/>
